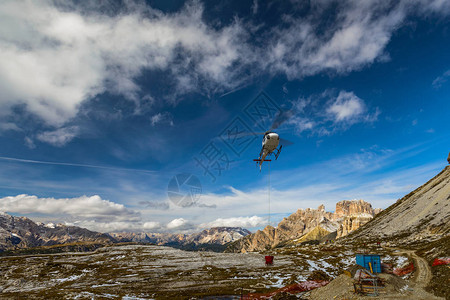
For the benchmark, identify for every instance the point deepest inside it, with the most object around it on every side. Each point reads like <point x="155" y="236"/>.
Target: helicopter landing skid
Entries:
<point x="278" y="152"/>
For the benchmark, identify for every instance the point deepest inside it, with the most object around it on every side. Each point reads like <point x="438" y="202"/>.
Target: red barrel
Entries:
<point x="269" y="259"/>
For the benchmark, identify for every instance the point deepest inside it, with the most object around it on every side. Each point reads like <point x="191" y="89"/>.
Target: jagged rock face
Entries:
<point x="216" y="235"/>
<point x="349" y="215"/>
<point x="351" y="223"/>
<point x="422" y="214"/>
<point x="352" y="207"/>
<point x="21" y="232"/>
<point x="353" y="214"/>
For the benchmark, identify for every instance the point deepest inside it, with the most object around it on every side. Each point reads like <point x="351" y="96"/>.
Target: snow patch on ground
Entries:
<point x="276" y="279"/>
<point x="105" y="284"/>
<point x="70" y="278"/>
<point x="127" y="297"/>
<point x="348" y="261"/>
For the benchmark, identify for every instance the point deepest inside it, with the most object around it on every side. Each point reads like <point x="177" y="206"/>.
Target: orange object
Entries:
<point x="403" y="271"/>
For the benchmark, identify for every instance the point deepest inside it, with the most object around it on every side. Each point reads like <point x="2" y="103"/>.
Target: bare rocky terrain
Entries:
<point x="157" y="272"/>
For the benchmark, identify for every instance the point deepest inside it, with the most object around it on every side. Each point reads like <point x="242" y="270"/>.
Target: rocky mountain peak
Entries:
<point x="352" y="207"/>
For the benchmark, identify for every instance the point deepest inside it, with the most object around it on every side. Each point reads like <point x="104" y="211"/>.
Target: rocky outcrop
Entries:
<point x="21" y="232"/>
<point x="352" y="207"/>
<point x="351" y="223"/>
<point x="353" y="214"/>
<point x="308" y="224"/>
<point x="290" y="228"/>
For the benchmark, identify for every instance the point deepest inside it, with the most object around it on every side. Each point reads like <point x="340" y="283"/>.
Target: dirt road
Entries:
<point x="422" y="269"/>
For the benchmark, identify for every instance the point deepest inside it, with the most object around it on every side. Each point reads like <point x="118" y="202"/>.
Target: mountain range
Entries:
<point x="21" y="232"/>
<point x="307" y="225"/>
<point x="209" y="239"/>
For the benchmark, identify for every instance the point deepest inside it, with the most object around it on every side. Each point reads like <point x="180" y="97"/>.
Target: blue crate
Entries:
<point x="374" y="259"/>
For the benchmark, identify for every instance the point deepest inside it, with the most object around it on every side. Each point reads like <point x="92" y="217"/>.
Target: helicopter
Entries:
<point x="271" y="140"/>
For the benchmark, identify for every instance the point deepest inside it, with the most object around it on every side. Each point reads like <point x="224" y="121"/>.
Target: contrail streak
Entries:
<point x="70" y="164"/>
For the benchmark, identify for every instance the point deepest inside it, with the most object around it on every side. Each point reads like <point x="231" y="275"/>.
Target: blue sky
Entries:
<point x="102" y="104"/>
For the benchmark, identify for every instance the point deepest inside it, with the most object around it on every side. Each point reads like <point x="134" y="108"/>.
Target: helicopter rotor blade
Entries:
<point x="285" y="142"/>
<point x="281" y="117"/>
<point x="243" y="134"/>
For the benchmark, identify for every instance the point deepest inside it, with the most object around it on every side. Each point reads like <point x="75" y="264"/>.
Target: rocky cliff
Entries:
<point x="351" y="223"/>
<point x="21" y="232"/>
<point x="352" y="207"/>
<point x="349" y="215"/>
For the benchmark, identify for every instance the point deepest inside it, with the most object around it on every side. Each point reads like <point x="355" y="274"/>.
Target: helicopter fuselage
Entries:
<point x="269" y="144"/>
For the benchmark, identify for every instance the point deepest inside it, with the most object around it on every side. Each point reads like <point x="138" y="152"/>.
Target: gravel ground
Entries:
<point x="145" y="272"/>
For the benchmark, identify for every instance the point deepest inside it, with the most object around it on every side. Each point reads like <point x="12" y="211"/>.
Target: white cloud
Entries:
<point x="327" y="113"/>
<point x="54" y="56"/>
<point x="107" y="226"/>
<point x="162" y="118"/>
<point x="440" y="80"/>
<point x="347" y="107"/>
<point x="179" y="223"/>
<point x="151" y="225"/>
<point x="245" y="222"/>
<point x="91" y="212"/>
<point x="350" y="40"/>
<point x="83" y="207"/>
<point x="29" y="143"/>
<point x="64" y="55"/>
<point x="301" y="124"/>
<point x="59" y="137"/>
<point x="6" y="126"/>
